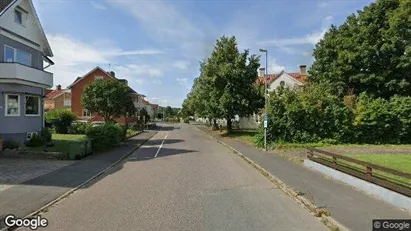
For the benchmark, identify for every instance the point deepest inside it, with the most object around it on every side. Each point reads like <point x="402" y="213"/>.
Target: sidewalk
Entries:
<point x="27" y="197"/>
<point x="351" y="208"/>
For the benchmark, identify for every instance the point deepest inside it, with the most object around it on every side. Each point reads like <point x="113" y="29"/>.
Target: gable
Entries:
<point x="30" y="32"/>
<point x="90" y="77"/>
<point x="288" y="80"/>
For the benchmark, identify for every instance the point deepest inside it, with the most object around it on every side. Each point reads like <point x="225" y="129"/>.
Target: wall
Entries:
<point x="288" y="80"/>
<point x="36" y="56"/>
<point x="59" y="100"/>
<point x="17" y="126"/>
<point x="77" y="91"/>
<point x="30" y="30"/>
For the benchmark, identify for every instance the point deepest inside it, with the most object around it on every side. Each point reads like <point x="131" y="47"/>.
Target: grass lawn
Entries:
<point x="400" y="162"/>
<point x="131" y="132"/>
<point x="246" y="136"/>
<point x="62" y="143"/>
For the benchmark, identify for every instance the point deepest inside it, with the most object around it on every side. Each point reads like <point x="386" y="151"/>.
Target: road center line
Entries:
<point x="161" y="145"/>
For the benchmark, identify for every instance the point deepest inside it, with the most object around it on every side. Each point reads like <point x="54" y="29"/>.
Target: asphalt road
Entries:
<point x="190" y="183"/>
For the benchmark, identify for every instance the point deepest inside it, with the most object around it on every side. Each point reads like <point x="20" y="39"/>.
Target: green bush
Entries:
<point x="79" y="128"/>
<point x="308" y="116"/>
<point x="35" y="141"/>
<point x="123" y="131"/>
<point x="61" y="119"/>
<point x="105" y="136"/>
<point x="10" y="144"/>
<point x="45" y="134"/>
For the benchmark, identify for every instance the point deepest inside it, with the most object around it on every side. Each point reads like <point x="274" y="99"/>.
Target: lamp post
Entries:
<point x="265" y="98"/>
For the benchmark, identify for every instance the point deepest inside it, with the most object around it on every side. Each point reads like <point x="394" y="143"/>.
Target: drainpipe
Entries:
<point x="42" y="105"/>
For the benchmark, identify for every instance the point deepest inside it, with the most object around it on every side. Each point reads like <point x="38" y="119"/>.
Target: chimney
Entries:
<point x="261" y="72"/>
<point x="112" y="73"/>
<point x="303" y="69"/>
<point x="58" y="87"/>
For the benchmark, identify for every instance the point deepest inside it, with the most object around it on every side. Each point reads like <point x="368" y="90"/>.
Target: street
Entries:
<point x="181" y="180"/>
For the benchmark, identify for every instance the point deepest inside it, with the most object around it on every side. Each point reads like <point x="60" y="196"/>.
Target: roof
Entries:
<point x="6" y="4"/>
<point x="55" y="93"/>
<point x="272" y="77"/>
<point x="84" y="76"/>
<point x="78" y="79"/>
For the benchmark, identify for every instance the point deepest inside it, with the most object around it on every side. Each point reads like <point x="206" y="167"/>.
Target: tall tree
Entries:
<point x="227" y="81"/>
<point x="110" y="99"/>
<point x="370" y="52"/>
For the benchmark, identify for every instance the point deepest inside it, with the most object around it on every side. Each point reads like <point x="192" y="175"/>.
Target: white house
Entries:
<point x="289" y="80"/>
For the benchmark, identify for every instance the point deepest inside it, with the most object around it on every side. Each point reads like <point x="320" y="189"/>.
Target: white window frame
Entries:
<point x="15" y="55"/>
<point x="25" y="105"/>
<point x="87" y="112"/>
<point x="6" y="106"/>
<point x="98" y="77"/>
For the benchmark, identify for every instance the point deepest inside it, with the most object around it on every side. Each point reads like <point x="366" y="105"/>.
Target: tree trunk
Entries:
<point x="229" y="126"/>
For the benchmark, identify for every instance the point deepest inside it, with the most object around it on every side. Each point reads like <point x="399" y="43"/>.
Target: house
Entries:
<point x="57" y="99"/>
<point x="77" y="89"/>
<point x="292" y="80"/>
<point x="24" y="52"/>
<point x="155" y="110"/>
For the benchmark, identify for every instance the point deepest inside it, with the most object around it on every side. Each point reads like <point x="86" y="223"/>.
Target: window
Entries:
<point x="86" y="113"/>
<point x="12" y="105"/>
<point x="32" y="105"/>
<point x="18" y="17"/>
<point x="282" y="83"/>
<point x="97" y="77"/>
<point x="12" y="55"/>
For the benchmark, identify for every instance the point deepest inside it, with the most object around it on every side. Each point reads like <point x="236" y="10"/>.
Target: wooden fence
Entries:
<point x="332" y="160"/>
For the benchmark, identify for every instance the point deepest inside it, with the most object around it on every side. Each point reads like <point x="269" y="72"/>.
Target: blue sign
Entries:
<point x="265" y="117"/>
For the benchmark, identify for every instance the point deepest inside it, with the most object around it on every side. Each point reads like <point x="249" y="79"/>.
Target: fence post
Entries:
<point x="335" y="162"/>
<point x="369" y="173"/>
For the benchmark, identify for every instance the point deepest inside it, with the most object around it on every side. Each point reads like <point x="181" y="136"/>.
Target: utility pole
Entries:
<point x="265" y="98"/>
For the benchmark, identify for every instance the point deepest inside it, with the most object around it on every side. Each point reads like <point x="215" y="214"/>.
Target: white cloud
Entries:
<point x="156" y="81"/>
<point x="139" y="81"/>
<point x="184" y="82"/>
<point x="69" y="64"/>
<point x="130" y="70"/>
<point x="311" y="38"/>
<point x="160" y="18"/>
<point x="274" y="67"/>
<point x="183" y="65"/>
<point x="322" y="4"/>
<point x="98" y="5"/>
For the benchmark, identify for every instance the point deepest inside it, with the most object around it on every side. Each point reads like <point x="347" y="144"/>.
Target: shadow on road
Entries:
<point x="148" y="153"/>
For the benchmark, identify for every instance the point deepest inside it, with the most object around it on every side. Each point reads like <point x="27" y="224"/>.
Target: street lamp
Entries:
<point x="265" y="97"/>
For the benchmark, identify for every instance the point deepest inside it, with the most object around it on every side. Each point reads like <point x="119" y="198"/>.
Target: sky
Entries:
<point x="157" y="45"/>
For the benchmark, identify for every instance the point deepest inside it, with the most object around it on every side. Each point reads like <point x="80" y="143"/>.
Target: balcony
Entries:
<point x="18" y="73"/>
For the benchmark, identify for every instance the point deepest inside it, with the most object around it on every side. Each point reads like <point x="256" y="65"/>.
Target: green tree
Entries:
<point x="61" y="119"/>
<point x="110" y="99"/>
<point x="227" y="82"/>
<point x="370" y="52"/>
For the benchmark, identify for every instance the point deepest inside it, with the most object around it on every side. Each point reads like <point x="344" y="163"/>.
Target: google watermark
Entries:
<point x="400" y="225"/>
<point x="32" y="223"/>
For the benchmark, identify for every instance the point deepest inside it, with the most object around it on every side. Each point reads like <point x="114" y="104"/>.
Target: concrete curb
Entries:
<point x="304" y="202"/>
<point x="45" y="207"/>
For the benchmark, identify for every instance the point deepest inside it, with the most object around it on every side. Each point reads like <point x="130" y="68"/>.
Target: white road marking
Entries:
<point x="161" y="145"/>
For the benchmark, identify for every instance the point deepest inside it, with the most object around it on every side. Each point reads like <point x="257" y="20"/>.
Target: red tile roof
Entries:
<point x="271" y="77"/>
<point x="52" y="94"/>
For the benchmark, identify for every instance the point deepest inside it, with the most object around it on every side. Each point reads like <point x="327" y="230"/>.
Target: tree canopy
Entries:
<point x="370" y="52"/>
<point x="110" y="99"/>
<point x="226" y="85"/>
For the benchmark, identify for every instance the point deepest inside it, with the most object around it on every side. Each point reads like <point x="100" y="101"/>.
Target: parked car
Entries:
<point x="97" y="123"/>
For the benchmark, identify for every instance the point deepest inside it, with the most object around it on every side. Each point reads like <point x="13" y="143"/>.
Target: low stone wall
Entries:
<point x="381" y="193"/>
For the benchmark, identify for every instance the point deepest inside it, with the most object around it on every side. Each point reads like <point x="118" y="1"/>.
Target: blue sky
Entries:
<point x="157" y="45"/>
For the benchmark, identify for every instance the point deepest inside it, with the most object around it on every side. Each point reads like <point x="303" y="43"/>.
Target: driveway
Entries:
<point x="18" y="170"/>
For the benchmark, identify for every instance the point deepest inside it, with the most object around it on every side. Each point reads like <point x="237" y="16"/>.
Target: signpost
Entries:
<point x="265" y="121"/>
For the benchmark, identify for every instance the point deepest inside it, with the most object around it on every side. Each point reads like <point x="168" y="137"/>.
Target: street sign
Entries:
<point x="265" y="117"/>
<point x="265" y="123"/>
